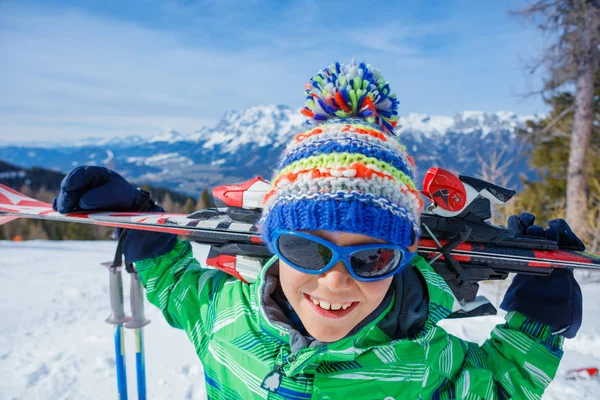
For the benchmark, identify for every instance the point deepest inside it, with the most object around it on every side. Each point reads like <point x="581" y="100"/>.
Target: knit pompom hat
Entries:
<point x="348" y="172"/>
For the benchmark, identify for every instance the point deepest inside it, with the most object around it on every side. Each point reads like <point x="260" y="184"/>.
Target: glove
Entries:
<point x="92" y="188"/>
<point x="559" y="231"/>
<point x="554" y="300"/>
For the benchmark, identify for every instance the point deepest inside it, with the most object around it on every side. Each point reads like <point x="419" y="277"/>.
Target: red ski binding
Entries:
<point x="247" y="195"/>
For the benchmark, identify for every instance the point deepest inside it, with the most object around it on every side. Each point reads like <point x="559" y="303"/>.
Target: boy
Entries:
<point x="345" y="309"/>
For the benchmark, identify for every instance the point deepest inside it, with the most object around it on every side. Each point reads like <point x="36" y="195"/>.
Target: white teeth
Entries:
<point x="323" y="304"/>
<point x="330" y="306"/>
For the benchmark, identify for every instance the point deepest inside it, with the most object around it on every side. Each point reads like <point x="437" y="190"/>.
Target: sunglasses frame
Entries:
<point x="340" y="253"/>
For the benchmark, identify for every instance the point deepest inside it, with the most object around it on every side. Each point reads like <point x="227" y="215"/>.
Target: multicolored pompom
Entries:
<point x="343" y="91"/>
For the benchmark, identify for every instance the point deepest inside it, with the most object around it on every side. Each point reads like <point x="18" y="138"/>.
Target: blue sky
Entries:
<point x="106" y="68"/>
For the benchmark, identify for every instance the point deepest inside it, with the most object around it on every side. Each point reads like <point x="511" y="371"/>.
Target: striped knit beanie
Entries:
<point x="348" y="172"/>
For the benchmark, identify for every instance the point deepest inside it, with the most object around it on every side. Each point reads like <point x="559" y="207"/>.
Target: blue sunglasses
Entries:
<point x="314" y="255"/>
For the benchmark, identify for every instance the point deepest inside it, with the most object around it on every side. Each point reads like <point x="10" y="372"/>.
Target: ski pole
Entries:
<point x="137" y="322"/>
<point x="118" y="318"/>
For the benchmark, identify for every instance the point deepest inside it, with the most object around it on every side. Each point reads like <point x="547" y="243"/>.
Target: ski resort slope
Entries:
<point x="55" y="344"/>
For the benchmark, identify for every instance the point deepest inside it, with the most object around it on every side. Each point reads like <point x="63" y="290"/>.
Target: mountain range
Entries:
<point x="248" y="143"/>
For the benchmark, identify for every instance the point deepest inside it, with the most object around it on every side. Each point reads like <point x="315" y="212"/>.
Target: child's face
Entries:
<point x="335" y="287"/>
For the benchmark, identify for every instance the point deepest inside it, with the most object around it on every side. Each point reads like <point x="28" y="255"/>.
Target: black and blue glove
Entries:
<point x="554" y="300"/>
<point x="92" y="188"/>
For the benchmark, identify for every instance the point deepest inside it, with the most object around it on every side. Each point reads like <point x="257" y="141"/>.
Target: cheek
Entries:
<point x="375" y="291"/>
<point x="292" y="280"/>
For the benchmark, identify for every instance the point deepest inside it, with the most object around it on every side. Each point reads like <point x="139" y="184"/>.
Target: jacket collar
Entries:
<point x="383" y="328"/>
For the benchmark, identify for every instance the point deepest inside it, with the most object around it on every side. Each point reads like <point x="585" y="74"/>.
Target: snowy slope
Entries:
<point x="56" y="345"/>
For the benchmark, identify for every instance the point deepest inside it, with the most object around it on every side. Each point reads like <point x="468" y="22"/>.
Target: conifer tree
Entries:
<point x="188" y="207"/>
<point x="571" y="58"/>
<point x="550" y="138"/>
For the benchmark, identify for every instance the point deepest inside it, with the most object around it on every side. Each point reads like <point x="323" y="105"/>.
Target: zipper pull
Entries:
<point x="273" y="380"/>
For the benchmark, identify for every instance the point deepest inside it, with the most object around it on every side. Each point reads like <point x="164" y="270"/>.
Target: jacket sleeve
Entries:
<point x="518" y="361"/>
<point x="187" y="293"/>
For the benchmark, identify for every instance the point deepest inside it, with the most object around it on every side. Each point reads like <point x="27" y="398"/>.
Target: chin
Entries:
<point x="328" y="335"/>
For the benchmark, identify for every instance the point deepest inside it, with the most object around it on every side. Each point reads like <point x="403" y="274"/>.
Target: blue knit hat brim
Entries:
<point x="351" y="215"/>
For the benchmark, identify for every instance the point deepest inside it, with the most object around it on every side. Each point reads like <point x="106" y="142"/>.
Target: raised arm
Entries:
<point x="518" y="361"/>
<point x="522" y="356"/>
<point x="186" y="292"/>
<point x="175" y="282"/>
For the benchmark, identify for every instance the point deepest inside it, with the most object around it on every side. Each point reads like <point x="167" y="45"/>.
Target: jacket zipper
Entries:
<point x="273" y="379"/>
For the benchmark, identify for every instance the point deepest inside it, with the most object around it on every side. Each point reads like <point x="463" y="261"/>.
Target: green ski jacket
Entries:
<point x="247" y="353"/>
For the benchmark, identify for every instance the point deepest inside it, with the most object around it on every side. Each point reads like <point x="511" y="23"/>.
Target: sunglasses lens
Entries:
<point x="375" y="262"/>
<point x="303" y="252"/>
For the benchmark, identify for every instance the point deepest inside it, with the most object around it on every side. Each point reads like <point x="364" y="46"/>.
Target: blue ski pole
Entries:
<point x="118" y="318"/>
<point x="138" y="321"/>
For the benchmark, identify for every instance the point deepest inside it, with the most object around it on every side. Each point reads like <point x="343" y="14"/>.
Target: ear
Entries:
<point x="413" y="248"/>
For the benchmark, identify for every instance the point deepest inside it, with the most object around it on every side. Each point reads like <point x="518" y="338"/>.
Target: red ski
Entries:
<point x="458" y="242"/>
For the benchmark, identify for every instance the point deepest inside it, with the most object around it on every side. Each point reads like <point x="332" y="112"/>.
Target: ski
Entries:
<point x="456" y="239"/>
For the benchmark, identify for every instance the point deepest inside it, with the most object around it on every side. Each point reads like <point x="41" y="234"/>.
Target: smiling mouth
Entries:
<point x="330" y="310"/>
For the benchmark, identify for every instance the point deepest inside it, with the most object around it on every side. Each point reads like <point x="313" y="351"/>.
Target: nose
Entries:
<point x="337" y="278"/>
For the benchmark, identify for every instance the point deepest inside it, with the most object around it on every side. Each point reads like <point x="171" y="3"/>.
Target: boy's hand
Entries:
<point x="559" y="231"/>
<point x="554" y="300"/>
<point x="92" y="188"/>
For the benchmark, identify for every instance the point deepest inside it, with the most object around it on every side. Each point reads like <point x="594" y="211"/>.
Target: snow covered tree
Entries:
<point x="573" y="27"/>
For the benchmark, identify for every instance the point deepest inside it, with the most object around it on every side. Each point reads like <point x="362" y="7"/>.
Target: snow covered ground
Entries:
<point x="54" y="343"/>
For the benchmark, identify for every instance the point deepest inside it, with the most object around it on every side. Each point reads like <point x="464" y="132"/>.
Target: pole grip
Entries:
<point x="136" y="298"/>
<point x="115" y="289"/>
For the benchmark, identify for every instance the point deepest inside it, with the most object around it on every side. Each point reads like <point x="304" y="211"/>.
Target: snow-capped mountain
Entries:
<point x="466" y="122"/>
<point x="248" y="143"/>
